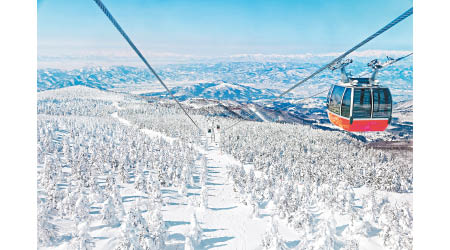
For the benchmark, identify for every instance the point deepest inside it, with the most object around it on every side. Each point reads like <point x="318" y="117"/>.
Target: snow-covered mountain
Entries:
<point x="260" y="75"/>
<point x="245" y="89"/>
<point x="94" y="77"/>
<point x="220" y="90"/>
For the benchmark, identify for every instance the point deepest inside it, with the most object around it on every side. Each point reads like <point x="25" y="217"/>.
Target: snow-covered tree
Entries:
<point x="141" y="182"/>
<point x="195" y="232"/>
<point x="325" y="236"/>
<point x="272" y="239"/>
<point x="81" y="210"/>
<point x="204" y="197"/>
<point x="129" y="233"/>
<point x="96" y="193"/>
<point x="83" y="240"/>
<point x="255" y="209"/>
<point x="188" y="245"/>
<point x="46" y="230"/>
<point x="109" y="213"/>
<point x="128" y="239"/>
<point x="157" y="229"/>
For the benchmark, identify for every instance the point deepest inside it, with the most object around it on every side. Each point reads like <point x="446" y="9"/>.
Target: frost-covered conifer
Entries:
<point x="117" y="200"/>
<point x="195" y="232"/>
<point x="141" y="183"/>
<point x="110" y="183"/>
<point x="188" y="245"/>
<point x="204" y="197"/>
<point x="351" y="244"/>
<point x="128" y="239"/>
<point x="48" y="175"/>
<point x="281" y="206"/>
<point x="182" y="189"/>
<point x="136" y="221"/>
<point x="255" y="209"/>
<point x="303" y="221"/>
<point x="68" y="203"/>
<point x="250" y="181"/>
<point x="358" y="225"/>
<point x="109" y="213"/>
<point x="203" y="171"/>
<point x="325" y="236"/>
<point x="83" y="241"/>
<point x="395" y="219"/>
<point x="46" y="230"/>
<point x="189" y="176"/>
<point x="96" y="193"/>
<point x="272" y="239"/>
<point x="155" y="195"/>
<point x="143" y="241"/>
<point x="53" y="198"/>
<point x="123" y="173"/>
<point x="157" y="229"/>
<point x="349" y="201"/>
<point x="150" y="183"/>
<point x="81" y="210"/>
<point x="186" y="179"/>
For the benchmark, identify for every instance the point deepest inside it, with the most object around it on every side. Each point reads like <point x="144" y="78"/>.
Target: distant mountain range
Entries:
<point x="219" y="90"/>
<point x="240" y="89"/>
<point x="259" y="75"/>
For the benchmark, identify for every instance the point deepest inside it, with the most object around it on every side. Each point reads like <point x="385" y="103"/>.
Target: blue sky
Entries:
<point x="217" y="28"/>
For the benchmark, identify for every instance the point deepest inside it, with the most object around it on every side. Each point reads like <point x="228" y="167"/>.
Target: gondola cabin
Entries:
<point x="359" y="105"/>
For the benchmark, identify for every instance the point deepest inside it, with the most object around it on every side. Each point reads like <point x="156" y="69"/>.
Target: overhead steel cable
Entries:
<point x="234" y="124"/>
<point x="311" y="96"/>
<point x="242" y="119"/>
<point x="385" y="28"/>
<point x="361" y="75"/>
<point x="387" y="64"/>
<point x="388" y="26"/>
<point x="122" y="32"/>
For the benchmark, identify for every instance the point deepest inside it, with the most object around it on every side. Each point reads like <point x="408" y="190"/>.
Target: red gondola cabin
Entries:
<point x="359" y="105"/>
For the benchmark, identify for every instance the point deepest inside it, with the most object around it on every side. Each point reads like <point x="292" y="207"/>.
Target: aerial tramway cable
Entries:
<point x="233" y="125"/>
<point x="382" y="30"/>
<point x="387" y="64"/>
<point x="361" y="75"/>
<point x="379" y="32"/>
<point x="122" y="32"/>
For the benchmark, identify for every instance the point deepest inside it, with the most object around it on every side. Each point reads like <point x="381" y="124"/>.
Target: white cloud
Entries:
<point x="49" y="59"/>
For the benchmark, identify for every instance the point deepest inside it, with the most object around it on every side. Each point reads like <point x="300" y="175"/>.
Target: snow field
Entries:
<point x="124" y="174"/>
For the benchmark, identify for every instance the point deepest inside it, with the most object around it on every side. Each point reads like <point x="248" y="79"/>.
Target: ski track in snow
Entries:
<point x="115" y="115"/>
<point x="227" y="223"/>
<point x="258" y="114"/>
<point x="151" y="133"/>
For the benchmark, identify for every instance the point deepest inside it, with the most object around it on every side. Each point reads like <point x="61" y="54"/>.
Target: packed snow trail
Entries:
<point x="226" y="222"/>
